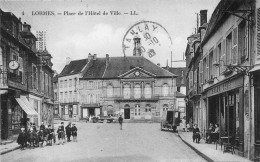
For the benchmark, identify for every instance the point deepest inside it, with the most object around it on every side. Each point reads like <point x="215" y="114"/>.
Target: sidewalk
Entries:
<point x="208" y="151"/>
<point x="8" y="147"/>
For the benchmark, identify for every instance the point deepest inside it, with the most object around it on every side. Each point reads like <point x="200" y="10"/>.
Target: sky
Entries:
<point x="74" y="35"/>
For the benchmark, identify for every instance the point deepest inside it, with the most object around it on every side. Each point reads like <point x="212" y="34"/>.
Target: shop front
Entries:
<point x="70" y="111"/>
<point x="225" y="102"/>
<point x="256" y="104"/>
<point x="17" y="112"/>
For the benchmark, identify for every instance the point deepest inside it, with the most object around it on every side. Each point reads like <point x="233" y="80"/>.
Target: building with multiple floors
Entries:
<point x="25" y="78"/>
<point x="132" y="86"/>
<point x="223" y="64"/>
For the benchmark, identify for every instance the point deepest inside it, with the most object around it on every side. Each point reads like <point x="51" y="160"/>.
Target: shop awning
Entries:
<point x="256" y="68"/>
<point x="27" y="107"/>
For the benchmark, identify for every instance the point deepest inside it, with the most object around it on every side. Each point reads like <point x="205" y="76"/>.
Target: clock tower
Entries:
<point x="137" y="46"/>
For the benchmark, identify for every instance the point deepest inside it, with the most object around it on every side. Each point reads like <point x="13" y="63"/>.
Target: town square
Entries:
<point x="151" y="80"/>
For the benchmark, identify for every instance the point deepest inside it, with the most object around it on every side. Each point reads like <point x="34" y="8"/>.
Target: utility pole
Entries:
<point x="197" y="21"/>
<point x="171" y="59"/>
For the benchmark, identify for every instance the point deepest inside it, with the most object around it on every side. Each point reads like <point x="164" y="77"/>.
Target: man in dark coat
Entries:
<point x="68" y="131"/>
<point x="22" y="138"/>
<point x="50" y="135"/>
<point x="41" y="137"/>
<point x="120" y="120"/>
<point x="74" y="132"/>
<point x="196" y="133"/>
<point x="42" y="126"/>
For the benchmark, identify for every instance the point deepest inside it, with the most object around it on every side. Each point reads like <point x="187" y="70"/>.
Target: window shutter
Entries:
<point x="214" y="68"/>
<point x="223" y="57"/>
<point x="207" y="72"/>
<point x="246" y="46"/>
<point x="200" y="72"/>
<point x="234" y="49"/>
<point x="195" y="81"/>
<point x="258" y="32"/>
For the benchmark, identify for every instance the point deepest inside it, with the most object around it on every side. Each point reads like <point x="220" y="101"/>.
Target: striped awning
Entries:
<point x="27" y="107"/>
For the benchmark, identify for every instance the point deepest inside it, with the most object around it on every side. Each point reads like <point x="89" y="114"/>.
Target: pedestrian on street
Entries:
<point x="68" y="131"/>
<point x="60" y="135"/>
<point x="196" y="134"/>
<point x="22" y="138"/>
<point x="50" y="135"/>
<point x="42" y="126"/>
<point x="90" y="118"/>
<point x="120" y="120"/>
<point x="41" y="137"/>
<point x="74" y="132"/>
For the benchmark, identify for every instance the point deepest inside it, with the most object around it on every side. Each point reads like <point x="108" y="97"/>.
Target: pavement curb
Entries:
<point x="4" y="152"/>
<point x="196" y="150"/>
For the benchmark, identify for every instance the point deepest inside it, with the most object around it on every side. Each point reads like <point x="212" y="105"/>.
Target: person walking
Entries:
<point x="62" y="133"/>
<point x="120" y="120"/>
<point x="74" y="132"/>
<point x="68" y="131"/>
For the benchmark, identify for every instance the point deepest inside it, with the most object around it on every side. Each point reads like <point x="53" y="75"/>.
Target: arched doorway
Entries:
<point x="127" y="111"/>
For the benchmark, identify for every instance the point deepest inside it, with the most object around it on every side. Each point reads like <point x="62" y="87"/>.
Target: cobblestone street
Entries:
<point x="106" y="142"/>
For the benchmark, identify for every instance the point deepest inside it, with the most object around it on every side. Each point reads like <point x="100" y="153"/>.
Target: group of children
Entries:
<point x="70" y="130"/>
<point x="33" y="138"/>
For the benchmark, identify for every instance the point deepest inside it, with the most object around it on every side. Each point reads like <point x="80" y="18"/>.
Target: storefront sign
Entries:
<point x="226" y="86"/>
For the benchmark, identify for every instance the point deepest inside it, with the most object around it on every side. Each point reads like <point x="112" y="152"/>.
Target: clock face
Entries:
<point x="155" y="42"/>
<point x="13" y="65"/>
<point x="137" y="73"/>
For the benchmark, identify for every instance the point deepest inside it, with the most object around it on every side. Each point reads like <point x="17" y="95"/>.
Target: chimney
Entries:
<point x="89" y="57"/>
<point x="107" y="58"/>
<point x="203" y="17"/>
<point x="95" y="57"/>
<point x="26" y="27"/>
<point x="68" y="60"/>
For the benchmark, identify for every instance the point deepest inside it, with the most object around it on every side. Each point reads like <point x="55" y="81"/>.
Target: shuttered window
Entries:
<point x="234" y="49"/>
<point x="204" y="70"/>
<point x="229" y="48"/>
<point x="242" y="42"/>
<point x="201" y="73"/>
<point x="207" y="70"/>
<point x="223" y="56"/>
<point x="258" y="32"/>
<point x="218" y="55"/>
<point x="211" y="59"/>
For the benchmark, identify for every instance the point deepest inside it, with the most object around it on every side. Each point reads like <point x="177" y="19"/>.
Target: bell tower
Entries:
<point x="137" y="46"/>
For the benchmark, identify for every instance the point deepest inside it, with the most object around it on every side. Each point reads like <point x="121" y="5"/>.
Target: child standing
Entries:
<point x="41" y="137"/>
<point x="60" y="134"/>
<point x="74" y="132"/>
<point x="22" y="138"/>
<point x="50" y="135"/>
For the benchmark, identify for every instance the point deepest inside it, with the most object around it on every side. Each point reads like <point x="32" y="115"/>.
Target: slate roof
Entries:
<point x="74" y="67"/>
<point x="120" y="65"/>
<point x="178" y="72"/>
<point x="218" y="17"/>
<point x="96" y="69"/>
